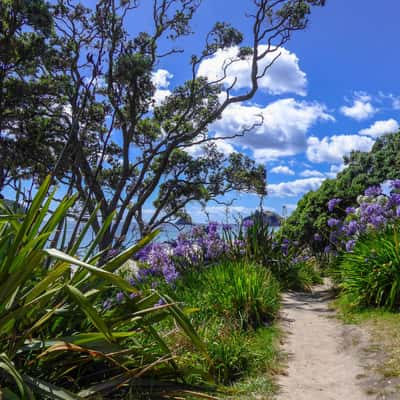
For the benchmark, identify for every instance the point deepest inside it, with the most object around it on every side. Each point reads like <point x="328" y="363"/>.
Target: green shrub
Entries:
<point x="302" y="276"/>
<point x="243" y="293"/>
<point x="226" y="303"/>
<point x="370" y="274"/>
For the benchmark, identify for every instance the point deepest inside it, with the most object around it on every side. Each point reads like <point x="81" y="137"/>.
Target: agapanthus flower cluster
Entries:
<point x="159" y="261"/>
<point x="332" y="203"/>
<point x="374" y="212"/>
<point x="300" y="259"/>
<point x="202" y="245"/>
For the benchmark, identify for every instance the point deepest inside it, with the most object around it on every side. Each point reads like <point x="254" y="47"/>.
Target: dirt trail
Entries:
<point x="322" y="364"/>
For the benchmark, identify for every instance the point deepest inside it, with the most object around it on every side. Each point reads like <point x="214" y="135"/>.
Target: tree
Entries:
<point x="124" y="149"/>
<point x="25" y="94"/>
<point x="363" y="169"/>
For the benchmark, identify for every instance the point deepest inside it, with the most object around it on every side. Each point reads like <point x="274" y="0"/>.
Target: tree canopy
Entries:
<point x="363" y="169"/>
<point x="80" y="104"/>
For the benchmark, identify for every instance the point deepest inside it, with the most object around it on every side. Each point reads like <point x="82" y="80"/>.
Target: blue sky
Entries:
<point x="333" y="90"/>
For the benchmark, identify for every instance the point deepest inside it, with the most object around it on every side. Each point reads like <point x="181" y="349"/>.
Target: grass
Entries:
<point x="259" y="382"/>
<point x="233" y="305"/>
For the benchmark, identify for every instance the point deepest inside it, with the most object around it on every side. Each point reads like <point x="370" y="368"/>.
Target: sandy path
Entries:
<point x="320" y="367"/>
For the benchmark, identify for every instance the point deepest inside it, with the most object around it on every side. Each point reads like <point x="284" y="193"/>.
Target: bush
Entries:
<point x="370" y="274"/>
<point x="227" y="302"/>
<point x="243" y="293"/>
<point x="301" y="276"/>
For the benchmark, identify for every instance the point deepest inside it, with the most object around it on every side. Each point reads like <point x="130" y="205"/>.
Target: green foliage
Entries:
<point x="301" y="276"/>
<point x="241" y="292"/>
<point x="227" y="302"/>
<point x="370" y="274"/>
<point x="260" y="242"/>
<point x="229" y="350"/>
<point x="57" y="340"/>
<point x="264" y="364"/>
<point x="362" y="171"/>
<point x="27" y="94"/>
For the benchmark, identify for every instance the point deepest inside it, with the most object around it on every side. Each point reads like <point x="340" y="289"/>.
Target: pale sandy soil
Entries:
<point x="322" y="362"/>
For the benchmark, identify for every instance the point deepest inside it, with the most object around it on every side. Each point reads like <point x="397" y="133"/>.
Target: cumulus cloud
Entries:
<point x="379" y="128"/>
<point x="282" y="169"/>
<point x="294" y="188"/>
<point x="282" y="129"/>
<point x="161" y="80"/>
<point x="284" y="76"/>
<point x="160" y="95"/>
<point x="361" y="107"/>
<point x="333" y="149"/>
<point x="311" y="173"/>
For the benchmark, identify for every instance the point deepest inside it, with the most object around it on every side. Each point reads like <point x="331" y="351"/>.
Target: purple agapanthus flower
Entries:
<point x="373" y="191"/>
<point x="132" y="281"/>
<point x="395" y="184"/>
<point x="333" y="222"/>
<point x="394" y="199"/>
<point x="350" y="245"/>
<point x="332" y="203"/>
<point x="247" y="223"/>
<point x="113" y="253"/>
<point x="119" y="297"/>
<point x="350" y="210"/>
<point x="317" y="237"/>
<point x="212" y="228"/>
<point x="350" y="228"/>
<point x="159" y="303"/>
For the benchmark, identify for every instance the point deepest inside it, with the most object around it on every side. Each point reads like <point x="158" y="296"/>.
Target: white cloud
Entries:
<point x="284" y="76"/>
<point x="294" y="188"/>
<point x="396" y="103"/>
<point x="395" y="100"/>
<point x="197" y="150"/>
<point x="282" y="131"/>
<point x="311" y="173"/>
<point x="160" y="95"/>
<point x="161" y="78"/>
<point x="379" y="128"/>
<point x="332" y="149"/>
<point x="282" y="169"/>
<point x="361" y="107"/>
